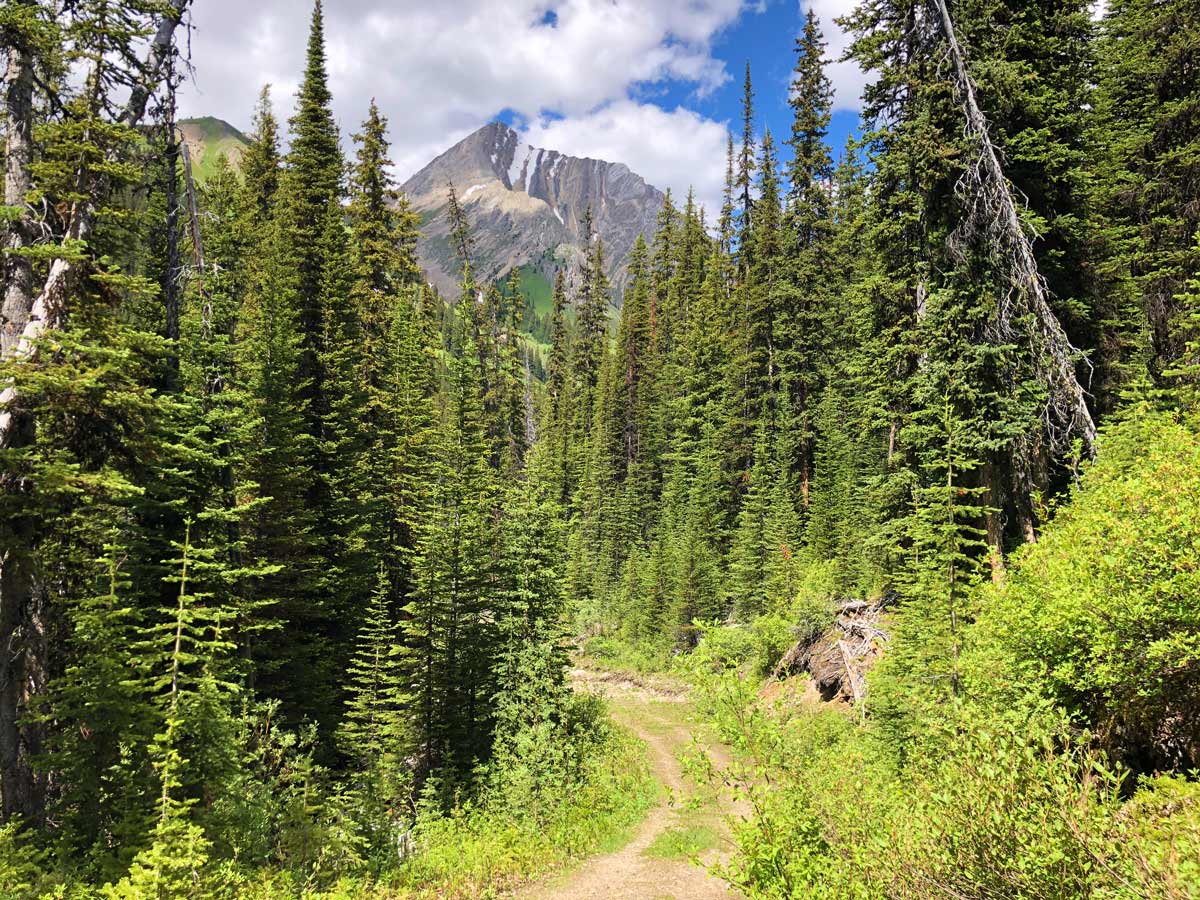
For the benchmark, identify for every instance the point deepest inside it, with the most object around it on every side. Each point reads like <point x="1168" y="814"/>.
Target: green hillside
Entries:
<point x="208" y="138"/>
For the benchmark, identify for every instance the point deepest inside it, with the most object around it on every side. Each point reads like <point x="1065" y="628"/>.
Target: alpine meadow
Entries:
<point x="510" y="527"/>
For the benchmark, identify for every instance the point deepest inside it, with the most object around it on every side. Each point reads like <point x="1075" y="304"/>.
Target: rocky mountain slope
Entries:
<point x="526" y="206"/>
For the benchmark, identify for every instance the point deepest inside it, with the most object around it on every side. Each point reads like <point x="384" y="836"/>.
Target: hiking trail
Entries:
<point x="654" y="862"/>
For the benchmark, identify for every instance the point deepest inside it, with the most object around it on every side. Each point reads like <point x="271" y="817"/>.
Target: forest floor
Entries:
<point x="666" y="856"/>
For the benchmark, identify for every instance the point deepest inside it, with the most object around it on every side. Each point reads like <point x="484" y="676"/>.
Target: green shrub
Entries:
<point x="22" y="866"/>
<point x="619" y="654"/>
<point x="1102" y="615"/>
<point x="995" y="806"/>
<point x="478" y="848"/>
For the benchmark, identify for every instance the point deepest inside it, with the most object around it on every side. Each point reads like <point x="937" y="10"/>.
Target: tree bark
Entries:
<point x="993" y="522"/>
<point x="23" y="614"/>
<point x="20" y="622"/>
<point x="173" y="270"/>
<point x="18" y="182"/>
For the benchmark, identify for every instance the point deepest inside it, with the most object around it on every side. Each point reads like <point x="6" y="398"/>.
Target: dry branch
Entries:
<point x="838" y="659"/>
<point x="1023" y="314"/>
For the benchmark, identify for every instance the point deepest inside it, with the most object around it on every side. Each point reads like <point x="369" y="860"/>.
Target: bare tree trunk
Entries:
<point x="173" y="271"/>
<point x="23" y="613"/>
<point x="1023" y="486"/>
<point x="23" y="673"/>
<point x="19" y="620"/>
<point x="993" y="522"/>
<point x="18" y="182"/>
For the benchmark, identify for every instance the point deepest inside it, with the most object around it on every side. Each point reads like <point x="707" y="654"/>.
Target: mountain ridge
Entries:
<point x="526" y="206"/>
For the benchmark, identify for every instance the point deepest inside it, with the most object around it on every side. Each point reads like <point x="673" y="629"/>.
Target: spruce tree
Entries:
<point x="725" y="222"/>
<point x="557" y="413"/>
<point x="745" y="171"/>
<point x="369" y="733"/>
<point x="101" y="758"/>
<point x="810" y="170"/>
<point x="1146" y="127"/>
<point x="279" y="461"/>
<point x="807" y="312"/>
<point x="312" y="188"/>
<point x="452" y="618"/>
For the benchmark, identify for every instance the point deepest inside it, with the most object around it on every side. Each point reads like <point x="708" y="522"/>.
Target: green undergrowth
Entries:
<point x="995" y="806"/>
<point x="683" y="842"/>
<point x="473" y="853"/>
<point x="526" y="822"/>
<point x="1061" y="766"/>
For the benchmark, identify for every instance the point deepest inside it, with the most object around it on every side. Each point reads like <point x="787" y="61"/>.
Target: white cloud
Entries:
<point x="676" y="149"/>
<point x="847" y="78"/>
<point x="440" y="70"/>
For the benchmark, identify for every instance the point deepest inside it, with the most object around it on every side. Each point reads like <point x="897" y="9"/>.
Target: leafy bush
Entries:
<point x="1000" y="806"/>
<point x="1102" y="615"/>
<point x="755" y="648"/>
<point x="480" y="847"/>
<point x="619" y="654"/>
<point x="22" y="865"/>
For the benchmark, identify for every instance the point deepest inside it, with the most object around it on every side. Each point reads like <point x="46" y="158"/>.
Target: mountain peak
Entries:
<point x="526" y="205"/>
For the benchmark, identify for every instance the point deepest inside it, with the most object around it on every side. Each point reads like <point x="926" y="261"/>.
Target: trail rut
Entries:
<point x="660" y="719"/>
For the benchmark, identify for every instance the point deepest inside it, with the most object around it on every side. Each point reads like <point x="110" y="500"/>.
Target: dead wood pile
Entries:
<point x="839" y="658"/>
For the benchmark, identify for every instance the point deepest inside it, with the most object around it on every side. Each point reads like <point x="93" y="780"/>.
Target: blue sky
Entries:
<point x="650" y="83"/>
<point x="767" y="40"/>
<point x="764" y="36"/>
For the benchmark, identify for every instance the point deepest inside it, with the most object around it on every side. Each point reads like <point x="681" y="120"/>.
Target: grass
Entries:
<point x="536" y="288"/>
<point x="480" y="853"/>
<point x="485" y="851"/>
<point x="683" y="842"/>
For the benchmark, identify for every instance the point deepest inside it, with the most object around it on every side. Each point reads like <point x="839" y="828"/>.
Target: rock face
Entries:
<point x="525" y="206"/>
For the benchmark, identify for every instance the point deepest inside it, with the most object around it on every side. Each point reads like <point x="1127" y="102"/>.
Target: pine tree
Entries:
<point x="725" y="222"/>
<point x="944" y="561"/>
<point x="807" y="314"/>
<point x="1146" y="127"/>
<point x="451" y="620"/>
<point x="370" y="730"/>
<point x="401" y="459"/>
<point x="634" y="384"/>
<point x="260" y="166"/>
<point x="589" y="348"/>
<point x="810" y="171"/>
<point x="764" y="284"/>
<point x="180" y="656"/>
<point x="311" y="190"/>
<point x="1187" y="368"/>
<point x="390" y="380"/>
<point x="749" y="550"/>
<point x="554" y="446"/>
<point x="745" y="172"/>
<point x="279" y="461"/>
<point x="103" y="751"/>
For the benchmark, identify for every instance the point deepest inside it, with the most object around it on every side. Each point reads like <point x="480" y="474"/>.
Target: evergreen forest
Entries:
<point x="890" y="466"/>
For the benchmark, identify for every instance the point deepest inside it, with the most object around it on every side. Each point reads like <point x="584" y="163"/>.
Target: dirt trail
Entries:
<point x="660" y="718"/>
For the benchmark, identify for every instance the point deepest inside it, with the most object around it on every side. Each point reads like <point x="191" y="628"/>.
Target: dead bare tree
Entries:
<point x="1023" y="314"/>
